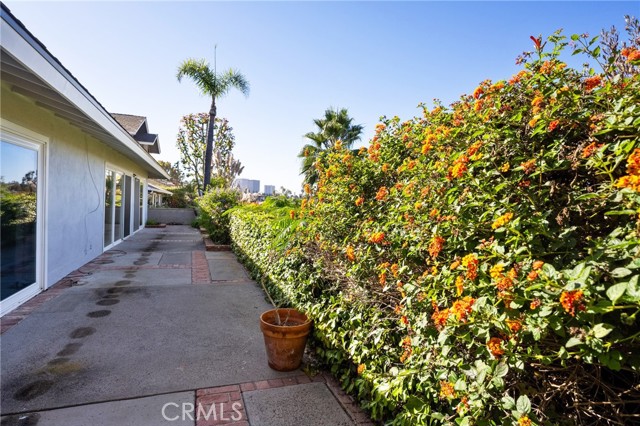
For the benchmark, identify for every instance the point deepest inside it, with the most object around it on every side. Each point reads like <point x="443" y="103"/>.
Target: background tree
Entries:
<point x="227" y="168"/>
<point x="173" y="170"/>
<point x="336" y="125"/>
<point x="215" y="85"/>
<point x="192" y="142"/>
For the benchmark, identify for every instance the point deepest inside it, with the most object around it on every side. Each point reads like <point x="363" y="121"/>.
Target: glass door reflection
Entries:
<point x="18" y="217"/>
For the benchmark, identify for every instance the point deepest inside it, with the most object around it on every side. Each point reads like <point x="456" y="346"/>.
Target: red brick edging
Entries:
<point x="223" y="399"/>
<point x="199" y="268"/>
<point x="22" y="311"/>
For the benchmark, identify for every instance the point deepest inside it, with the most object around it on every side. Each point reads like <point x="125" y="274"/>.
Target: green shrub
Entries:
<point x="181" y="197"/>
<point x="212" y="207"/>
<point x="480" y="263"/>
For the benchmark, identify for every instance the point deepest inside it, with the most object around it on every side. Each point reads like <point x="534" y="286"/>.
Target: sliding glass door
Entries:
<point x="20" y="198"/>
<point x="122" y="207"/>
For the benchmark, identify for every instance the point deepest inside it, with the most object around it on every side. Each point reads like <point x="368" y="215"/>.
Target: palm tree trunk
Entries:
<point x="209" y="150"/>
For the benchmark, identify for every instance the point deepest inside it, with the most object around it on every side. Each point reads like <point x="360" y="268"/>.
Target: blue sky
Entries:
<point x="374" y="58"/>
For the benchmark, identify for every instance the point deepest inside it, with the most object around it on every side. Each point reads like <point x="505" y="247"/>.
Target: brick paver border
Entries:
<point x="22" y="311"/>
<point x="199" y="268"/>
<point x="229" y="414"/>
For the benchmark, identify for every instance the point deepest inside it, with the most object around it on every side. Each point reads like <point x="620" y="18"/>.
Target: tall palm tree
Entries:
<point x="215" y="85"/>
<point x="334" y="126"/>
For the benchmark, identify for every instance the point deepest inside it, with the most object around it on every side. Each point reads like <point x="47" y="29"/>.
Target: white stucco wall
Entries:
<point x="75" y="181"/>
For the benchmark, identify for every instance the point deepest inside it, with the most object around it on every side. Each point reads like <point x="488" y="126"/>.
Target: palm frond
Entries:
<point x="199" y="72"/>
<point x="235" y="78"/>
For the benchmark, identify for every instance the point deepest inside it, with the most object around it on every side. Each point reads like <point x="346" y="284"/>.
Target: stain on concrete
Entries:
<point x="69" y="349"/>
<point x="63" y="368"/>
<point x="99" y="314"/>
<point x="140" y="262"/>
<point x="123" y="282"/>
<point x="82" y="332"/>
<point x="108" y="302"/>
<point x="33" y="390"/>
<point x="57" y="361"/>
<point x="115" y="290"/>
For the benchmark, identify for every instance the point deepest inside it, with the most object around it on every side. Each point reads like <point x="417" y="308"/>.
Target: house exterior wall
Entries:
<point x="75" y="182"/>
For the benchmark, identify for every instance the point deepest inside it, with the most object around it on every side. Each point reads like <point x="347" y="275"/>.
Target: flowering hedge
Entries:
<point x="480" y="263"/>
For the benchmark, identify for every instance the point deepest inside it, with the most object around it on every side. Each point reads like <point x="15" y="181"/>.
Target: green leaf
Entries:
<point x="632" y="288"/>
<point x="508" y="403"/>
<point x="574" y="341"/>
<point x="523" y="405"/>
<point x="616" y="291"/>
<point x="601" y="330"/>
<point x="620" y="272"/>
<point x="620" y="212"/>
<point x="501" y="370"/>
<point x="414" y="403"/>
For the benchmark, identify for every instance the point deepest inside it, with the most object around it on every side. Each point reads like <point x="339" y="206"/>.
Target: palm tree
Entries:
<point x="215" y="85"/>
<point x="336" y="125"/>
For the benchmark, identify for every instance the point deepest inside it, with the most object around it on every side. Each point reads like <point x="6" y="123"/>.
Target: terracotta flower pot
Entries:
<point x="285" y="343"/>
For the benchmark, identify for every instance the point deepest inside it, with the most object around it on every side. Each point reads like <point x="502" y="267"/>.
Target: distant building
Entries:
<point x="269" y="189"/>
<point x="248" y="185"/>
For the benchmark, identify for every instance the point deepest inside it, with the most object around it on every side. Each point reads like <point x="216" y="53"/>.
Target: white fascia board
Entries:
<point x="36" y="60"/>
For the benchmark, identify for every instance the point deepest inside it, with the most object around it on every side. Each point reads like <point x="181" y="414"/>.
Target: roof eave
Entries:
<point x="31" y="53"/>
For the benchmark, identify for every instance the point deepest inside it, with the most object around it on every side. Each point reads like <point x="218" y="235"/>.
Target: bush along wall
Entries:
<point x="479" y="264"/>
<point x="212" y="206"/>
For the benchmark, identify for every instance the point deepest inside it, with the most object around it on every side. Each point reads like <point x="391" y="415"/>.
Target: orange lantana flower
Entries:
<point x="590" y="149"/>
<point x="553" y="125"/>
<point x="440" y="317"/>
<point x="496" y="271"/>
<point x="633" y="56"/>
<point x="505" y="283"/>
<point x="514" y="325"/>
<point x="461" y="308"/>
<point x="592" y="82"/>
<point x="351" y="255"/>
<point x="436" y="246"/>
<point x="446" y="390"/>
<point x="470" y="262"/>
<point x="459" y="285"/>
<point x="571" y="300"/>
<point x="495" y="347"/>
<point x="502" y="220"/>
<point x="524" y="421"/>
<point x="382" y="193"/>
<point x="632" y="179"/>
<point x="529" y="166"/>
<point x="376" y="238"/>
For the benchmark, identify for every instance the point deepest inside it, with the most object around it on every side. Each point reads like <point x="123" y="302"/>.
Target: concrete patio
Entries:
<point x="155" y="331"/>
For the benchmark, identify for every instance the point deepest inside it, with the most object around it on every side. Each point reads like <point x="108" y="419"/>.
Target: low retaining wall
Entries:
<point x="172" y="216"/>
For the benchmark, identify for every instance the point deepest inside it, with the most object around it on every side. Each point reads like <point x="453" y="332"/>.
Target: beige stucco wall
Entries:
<point x="74" y="179"/>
